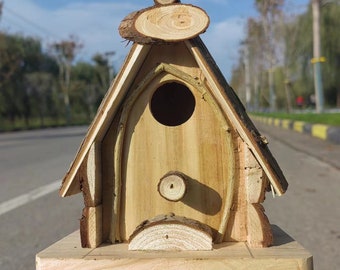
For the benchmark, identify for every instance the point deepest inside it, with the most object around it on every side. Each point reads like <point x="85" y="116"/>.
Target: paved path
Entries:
<point x="30" y="164"/>
<point x="310" y="209"/>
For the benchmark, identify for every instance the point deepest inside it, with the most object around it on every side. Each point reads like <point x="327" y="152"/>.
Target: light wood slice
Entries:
<point x="172" y="186"/>
<point x="170" y="232"/>
<point x="172" y="22"/>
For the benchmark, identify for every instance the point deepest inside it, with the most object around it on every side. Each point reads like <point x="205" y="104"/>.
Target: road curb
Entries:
<point x="323" y="132"/>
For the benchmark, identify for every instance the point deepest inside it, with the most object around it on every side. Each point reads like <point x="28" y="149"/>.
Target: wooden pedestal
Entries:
<point x="284" y="254"/>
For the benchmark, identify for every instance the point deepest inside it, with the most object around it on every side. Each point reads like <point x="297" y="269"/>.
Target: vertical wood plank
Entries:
<point x="91" y="227"/>
<point x="91" y="181"/>
<point x="237" y="227"/>
<point x="108" y="179"/>
<point x="259" y="230"/>
<point x="258" y="227"/>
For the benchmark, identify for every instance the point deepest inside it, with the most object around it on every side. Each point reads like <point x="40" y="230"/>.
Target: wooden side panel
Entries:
<point x="108" y="177"/>
<point x="237" y="226"/>
<point x="91" y="180"/>
<point x="199" y="148"/>
<point x="258" y="227"/>
<point x="91" y="227"/>
<point x="259" y="231"/>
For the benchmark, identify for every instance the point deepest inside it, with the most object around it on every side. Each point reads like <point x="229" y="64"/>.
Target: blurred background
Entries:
<point x="59" y="57"/>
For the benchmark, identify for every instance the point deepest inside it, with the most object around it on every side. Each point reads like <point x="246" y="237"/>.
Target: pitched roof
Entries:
<point x="224" y="94"/>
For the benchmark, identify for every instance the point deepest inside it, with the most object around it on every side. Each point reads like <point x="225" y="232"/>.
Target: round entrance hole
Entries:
<point x="172" y="104"/>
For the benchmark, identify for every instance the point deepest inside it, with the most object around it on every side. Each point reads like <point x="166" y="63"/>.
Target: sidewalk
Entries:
<point x="323" y="150"/>
<point x="324" y="132"/>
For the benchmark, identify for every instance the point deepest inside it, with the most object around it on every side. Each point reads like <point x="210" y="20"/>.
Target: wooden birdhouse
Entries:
<point x="172" y="160"/>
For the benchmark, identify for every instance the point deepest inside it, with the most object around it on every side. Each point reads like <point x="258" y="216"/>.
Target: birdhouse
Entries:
<point x="172" y="161"/>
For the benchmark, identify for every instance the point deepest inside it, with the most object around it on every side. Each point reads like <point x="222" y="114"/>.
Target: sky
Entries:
<point x="95" y="24"/>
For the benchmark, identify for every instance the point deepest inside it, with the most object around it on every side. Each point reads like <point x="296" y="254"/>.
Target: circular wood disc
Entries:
<point x="172" y="187"/>
<point x="170" y="232"/>
<point x="172" y="22"/>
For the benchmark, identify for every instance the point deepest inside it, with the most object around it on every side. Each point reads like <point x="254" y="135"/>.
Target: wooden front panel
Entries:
<point x="198" y="148"/>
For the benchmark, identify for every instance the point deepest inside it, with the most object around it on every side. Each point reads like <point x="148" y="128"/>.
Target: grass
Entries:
<point x="332" y="119"/>
<point x="19" y="124"/>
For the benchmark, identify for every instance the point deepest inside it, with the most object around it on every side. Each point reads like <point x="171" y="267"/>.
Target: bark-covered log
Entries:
<point x="164" y="23"/>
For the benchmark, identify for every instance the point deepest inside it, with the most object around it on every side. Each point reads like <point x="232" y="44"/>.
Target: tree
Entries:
<point x="41" y="88"/>
<point x="256" y="58"/>
<point x="289" y="49"/>
<point x="22" y="60"/>
<point x="16" y="55"/>
<point x="271" y="15"/>
<point x="33" y="83"/>
<point x="102" y="70"/>
<point x="65" y="52"/>
<point x="300" y="63"/>
<point x="330" y="39"/>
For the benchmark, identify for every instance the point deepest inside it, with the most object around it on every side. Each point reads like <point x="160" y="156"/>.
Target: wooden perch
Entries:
<point x="170" y="232"/>
<point x="164" y="23"/>
<point x="172" y="186"/>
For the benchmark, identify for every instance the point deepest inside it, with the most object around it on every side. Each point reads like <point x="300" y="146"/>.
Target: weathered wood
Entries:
<point x="108" y="177"/>
<point x="68" y="254"/>
<point x="172" y="22"/>
<point x="133" y="143"/>
<point x="170" y="232"/>
<point x="164" y="23"/>
<point x="237" y="225"/>
<point x="256" y="181"/>
<point x="258" y="227"/>
<point x="91" y="181"/>
<point x="212" y="179"/>
<point x="91" y="227"/>
<point x="172" y="186"/>
<point x="127" y="30"/>
<point x="259" y="231"/>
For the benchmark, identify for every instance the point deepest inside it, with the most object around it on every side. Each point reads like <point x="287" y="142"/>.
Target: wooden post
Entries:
<point x="90" y="181"/>
<point x="284" y="254"/>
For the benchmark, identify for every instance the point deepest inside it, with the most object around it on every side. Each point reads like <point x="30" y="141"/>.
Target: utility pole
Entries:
<point x="317" y="58"/>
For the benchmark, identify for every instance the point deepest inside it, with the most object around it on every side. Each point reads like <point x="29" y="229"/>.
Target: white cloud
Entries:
<point x="222" y="40"/>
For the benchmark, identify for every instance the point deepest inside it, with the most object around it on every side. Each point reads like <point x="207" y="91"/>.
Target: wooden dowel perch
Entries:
<point x="172" y="186"/>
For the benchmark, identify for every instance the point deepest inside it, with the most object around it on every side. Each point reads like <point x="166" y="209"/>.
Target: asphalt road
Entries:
<point x="28" y="161"/>
<point x="34" y="160"/>
<point x="310" y="209"/>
